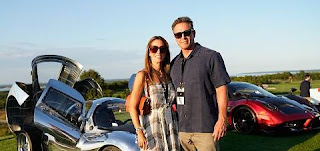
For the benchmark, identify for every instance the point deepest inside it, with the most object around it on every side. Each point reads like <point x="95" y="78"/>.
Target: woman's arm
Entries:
<point x="135" y="98"/>
<point x="133" y="107"/>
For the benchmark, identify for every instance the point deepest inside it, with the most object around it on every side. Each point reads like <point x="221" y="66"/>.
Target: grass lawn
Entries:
<point x="306" y="141"/>
<point x="8" y="143"/>
<point x="284" y="87"/>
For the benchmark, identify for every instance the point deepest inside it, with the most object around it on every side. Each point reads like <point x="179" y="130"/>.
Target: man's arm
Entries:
<point x="220" y="128"/>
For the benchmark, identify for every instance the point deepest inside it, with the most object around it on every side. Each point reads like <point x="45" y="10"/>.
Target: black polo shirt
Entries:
<point x="305" y="88"/>
<point x="204" y="70"/>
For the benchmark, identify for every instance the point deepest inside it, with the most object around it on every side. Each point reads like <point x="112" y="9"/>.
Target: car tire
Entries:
<point x="111" y="148"/>
<point x="24" y="142"/>
<point x="244" y="120"/>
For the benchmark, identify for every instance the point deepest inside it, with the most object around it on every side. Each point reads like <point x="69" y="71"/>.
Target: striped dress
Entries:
<point x="161" y="127"/>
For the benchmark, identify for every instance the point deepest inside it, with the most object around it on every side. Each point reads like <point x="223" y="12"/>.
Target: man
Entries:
<point x="305" y="86"/>
<point x="200" y="78"/>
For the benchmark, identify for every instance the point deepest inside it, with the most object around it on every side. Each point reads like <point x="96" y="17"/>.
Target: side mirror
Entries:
<point x="293" y="90"/>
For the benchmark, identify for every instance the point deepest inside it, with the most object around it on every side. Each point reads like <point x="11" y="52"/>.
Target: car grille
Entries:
<point x="294" y="124"/>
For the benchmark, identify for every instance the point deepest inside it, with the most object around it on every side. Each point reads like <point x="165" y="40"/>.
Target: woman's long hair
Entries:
<point x="165" y="64"/>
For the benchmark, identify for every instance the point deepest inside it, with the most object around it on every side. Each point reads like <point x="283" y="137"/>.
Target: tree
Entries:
<point x="92" y="74"/>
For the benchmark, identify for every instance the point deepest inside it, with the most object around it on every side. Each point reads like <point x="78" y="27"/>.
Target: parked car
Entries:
<point x="53" y="116"/>
<point x="301" y="100"/>
<point x="252" y="108"/>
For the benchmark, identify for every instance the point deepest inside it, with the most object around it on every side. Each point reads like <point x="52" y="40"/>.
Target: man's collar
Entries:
<point x="194" y="51"/>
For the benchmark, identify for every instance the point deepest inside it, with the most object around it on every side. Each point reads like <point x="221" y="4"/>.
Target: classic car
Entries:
<point x="53" y="115"/>
<point x="251" y="108"/>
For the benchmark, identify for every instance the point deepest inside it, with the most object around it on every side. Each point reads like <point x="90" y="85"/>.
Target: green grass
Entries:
<point x="122" y="116"/>
<point x="284" y="87"/>
<point x="8" y="143"/>
<point x="305" y="141"/>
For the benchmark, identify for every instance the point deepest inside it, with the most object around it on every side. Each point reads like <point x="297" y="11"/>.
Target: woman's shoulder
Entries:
<point x="140" y="76"/>
<point x="141" y="73"/>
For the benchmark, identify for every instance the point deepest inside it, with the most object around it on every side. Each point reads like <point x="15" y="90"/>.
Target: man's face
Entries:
<point x="308" y="78"/>
<point x="185" y="42"/>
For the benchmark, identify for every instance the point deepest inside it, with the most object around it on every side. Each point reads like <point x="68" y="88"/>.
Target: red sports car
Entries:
<point x="252" y="108"/>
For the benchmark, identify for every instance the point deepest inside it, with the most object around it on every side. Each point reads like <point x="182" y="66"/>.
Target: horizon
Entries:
<point x="261" y="73"/>
<point x="110" y="36"/>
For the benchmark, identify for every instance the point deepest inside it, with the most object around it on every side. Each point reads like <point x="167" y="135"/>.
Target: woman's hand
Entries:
<point x="142" y="141"/>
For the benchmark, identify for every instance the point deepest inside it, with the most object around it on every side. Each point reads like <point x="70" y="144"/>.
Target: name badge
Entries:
<point x="180" y="95"/>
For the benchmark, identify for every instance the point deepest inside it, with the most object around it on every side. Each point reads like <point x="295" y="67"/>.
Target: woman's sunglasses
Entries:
<point x="154" y="49"/>
<point x="185" y="33"/>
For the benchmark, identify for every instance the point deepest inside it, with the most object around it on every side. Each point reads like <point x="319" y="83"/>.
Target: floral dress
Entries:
<point x="161" y="128"/>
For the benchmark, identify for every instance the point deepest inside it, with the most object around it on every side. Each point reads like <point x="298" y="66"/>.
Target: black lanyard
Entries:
<point x="183" y="63"/>
<point x="165" y="91"/>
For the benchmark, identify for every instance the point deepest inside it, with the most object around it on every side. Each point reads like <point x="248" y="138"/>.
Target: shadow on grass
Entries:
<point x="306" y="141"/>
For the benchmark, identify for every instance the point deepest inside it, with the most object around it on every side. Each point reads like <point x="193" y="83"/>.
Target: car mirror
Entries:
<point x="293" y="90"/>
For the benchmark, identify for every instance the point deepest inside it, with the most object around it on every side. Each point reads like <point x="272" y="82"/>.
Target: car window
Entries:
<point x="67" y="107"/>
<point x="250" y="89"/>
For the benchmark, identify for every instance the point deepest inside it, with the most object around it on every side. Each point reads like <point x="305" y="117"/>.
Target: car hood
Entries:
<point x="285" y="105"/>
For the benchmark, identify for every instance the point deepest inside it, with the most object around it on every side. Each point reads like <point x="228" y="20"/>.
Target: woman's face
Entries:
<point x="157" y="51"/>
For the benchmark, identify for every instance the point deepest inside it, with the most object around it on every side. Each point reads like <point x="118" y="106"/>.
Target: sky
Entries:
<point x="111" y="36"/>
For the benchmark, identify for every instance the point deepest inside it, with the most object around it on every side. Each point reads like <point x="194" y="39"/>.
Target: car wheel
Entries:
<point x="111" y="148"/>
<point x="24" y="142"/>
<point x="244" y="120"/>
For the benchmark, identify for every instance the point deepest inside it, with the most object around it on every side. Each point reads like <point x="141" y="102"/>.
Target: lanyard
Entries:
<point x="183" y="62"/>
<point x="165" y="91"/>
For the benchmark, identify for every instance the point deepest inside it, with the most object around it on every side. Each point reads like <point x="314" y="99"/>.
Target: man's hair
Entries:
<point x="184" y="19"/>
<point x="307" y="75"/>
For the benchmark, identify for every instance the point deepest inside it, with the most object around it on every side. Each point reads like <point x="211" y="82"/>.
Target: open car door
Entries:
<point x="58" y="114"/>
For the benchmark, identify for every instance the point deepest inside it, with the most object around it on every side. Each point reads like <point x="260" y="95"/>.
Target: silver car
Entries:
<point x="53" y="116"/>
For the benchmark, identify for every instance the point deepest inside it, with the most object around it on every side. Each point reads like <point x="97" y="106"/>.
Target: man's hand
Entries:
<point x="220" y="129"/>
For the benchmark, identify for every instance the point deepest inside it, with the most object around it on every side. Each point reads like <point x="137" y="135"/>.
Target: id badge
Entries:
<point x="168" y="115"/>
<point x="180" y="95"/>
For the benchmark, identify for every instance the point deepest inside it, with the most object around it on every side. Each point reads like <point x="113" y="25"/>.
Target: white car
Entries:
<point x="54" y="116"/>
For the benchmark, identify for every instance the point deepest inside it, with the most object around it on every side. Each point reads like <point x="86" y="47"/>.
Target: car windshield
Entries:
<point x="64" y="105"/>
<point x="248" y="89"/>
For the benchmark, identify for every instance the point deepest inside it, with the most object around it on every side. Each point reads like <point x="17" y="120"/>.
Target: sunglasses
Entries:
<point x="154" y="49"/>
<point x="185" y="33"/>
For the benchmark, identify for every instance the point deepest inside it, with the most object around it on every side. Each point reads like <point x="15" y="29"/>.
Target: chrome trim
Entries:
<point x="122" y="140"/>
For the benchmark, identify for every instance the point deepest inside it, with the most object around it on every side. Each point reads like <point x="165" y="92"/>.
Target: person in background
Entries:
<point x="200" y="78"/>
<point x="157" y="131"/>
<point x="305" y="86"/>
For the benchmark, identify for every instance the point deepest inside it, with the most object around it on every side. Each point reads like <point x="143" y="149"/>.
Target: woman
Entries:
<point x="157" y="130"/>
